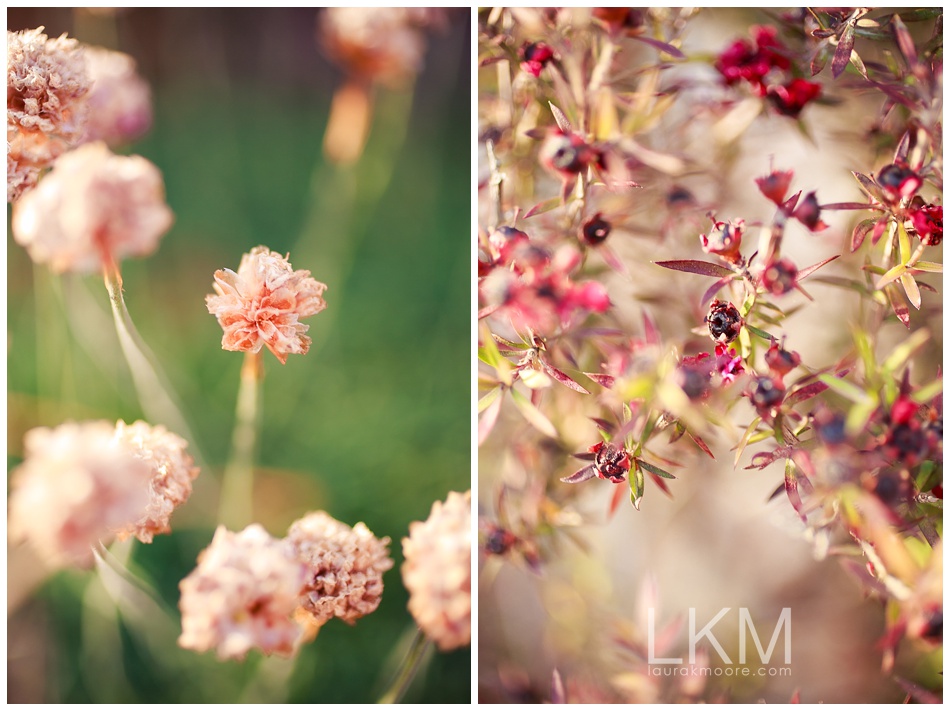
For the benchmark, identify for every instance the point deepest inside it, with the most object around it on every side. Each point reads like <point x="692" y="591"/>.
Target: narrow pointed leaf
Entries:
<point x="636" y="487"/>
<point x="711" y="291"/>
<point x="899" y="306"/>
<point x="891" y="275"/>
<point x="843" y="52"/>
<point x="808" y="271"/>
<point x="488" y="399"/>
<point x="698" y="441"/>
<point x="588" y="472"/>
<point x="765" y="335"/>
<point x="560" y="119"/>
<point x="533" y="415"/>
<point x="653" y="469"/>
<point x="543" y="206"/>
<point x="845" y="388"/>
<point x="910" y="288"/>
<point x="900" y="355"/>
<point x="791" y="490"/>
<point x="605" y="381"/>
<point x="695" y="266"/>
<point x="661" y="485"/>
<point x="929" y="267"/>
<point x="868" y="186"/>
<point x="904" y="41"/>
<point x="662" y="46"/>
<point x="488" y="419"/>
<point x="860" y="232"/>
<point x="563" y="378"/>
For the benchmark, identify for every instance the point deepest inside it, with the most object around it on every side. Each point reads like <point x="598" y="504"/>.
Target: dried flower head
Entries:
<point x="78" y="484"/>
<point x="120" y="103"/>
<point x="172" y="470"/>
<point x="344" y="565"/>
<point x="93" y="208"/>
<point x="438" y="572"/>
<point x="262" y="304"/>
<point x="724" y="321"/>
<point x="242" y="595"/>
<point x="384" y="44"/>
<point x="46" y="84"/>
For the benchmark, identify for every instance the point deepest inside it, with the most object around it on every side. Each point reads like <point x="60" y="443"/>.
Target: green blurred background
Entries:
<point x="372" y="425"/>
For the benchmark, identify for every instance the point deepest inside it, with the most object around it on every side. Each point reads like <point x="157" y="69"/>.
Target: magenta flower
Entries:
<point x="262" y="304"/>
<point x="792" y="97"/>
<point x="752" y="61"/>
<point x="928" y="223"/>
<point x="534" y="57"/>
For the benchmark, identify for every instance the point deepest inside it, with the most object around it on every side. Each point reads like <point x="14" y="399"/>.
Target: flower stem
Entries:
<point x="411" y="664"/>
<point x="237" y="489"/>
<point x="154" y="394"/>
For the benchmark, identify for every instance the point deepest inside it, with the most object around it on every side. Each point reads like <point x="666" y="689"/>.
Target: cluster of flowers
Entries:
<point x="91" y="482"/>
<point x="61" y="94"/>
<point x="251" y="590"/>
<point x="862" y="447"/>
<point x="764" y="64"/>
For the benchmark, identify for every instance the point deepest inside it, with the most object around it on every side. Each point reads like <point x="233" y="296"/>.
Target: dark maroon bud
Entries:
<point x="628" y="20"/>
<point x="891" y="487"/>
<point x="932" y="630"/>
<point x="595" y="230"/>
<point x="829" y="426"/>
<point x="611" y="462"/>
<point x="724" y="321"/>
<point x="779" y="277"/>
<point x="678" y="196"/>
<point x="781" y="361"/>
<point x="766" y="394"/>
<point x="499" y="541"/>
<point x="504" y="240"/>
<point x="693" y="381"/>
<point x="907" y="443"/>
<point x="809" y="213"/>
<point x="898" y="181"/>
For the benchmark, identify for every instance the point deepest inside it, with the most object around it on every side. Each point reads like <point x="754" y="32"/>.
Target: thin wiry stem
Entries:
<point x="411" y="664"/>
<point x="154" y="394"/>
<point x="237" y="489"/>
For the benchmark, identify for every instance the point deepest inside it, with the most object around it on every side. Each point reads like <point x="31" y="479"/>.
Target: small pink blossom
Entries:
<point x="93" y="208"/>
<point x="384" y="44"/>
<point x="438" y="571"/>
<point x="242" y="595"/>
<point x="344" y="565"/>
<point x="172" y="471"/>
<point x="262" y="304"/>
<point x="120" y="103"/>
<point x="46" y="87"/>
<point x="78" y="485"/>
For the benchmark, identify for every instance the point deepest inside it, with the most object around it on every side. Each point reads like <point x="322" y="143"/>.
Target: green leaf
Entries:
<point x="655" y="469"/>
<point x="865" y="350"/>
<point x="891" y="275"/>
<point x="905" y="350"/>
<point x="636" y="487"/>
<point x="488" y="399"/>
<point x="903" y="241"/>
<point x="911" y="289"/>
<point x="745" y="439"/>
<point x="928" y="267"/>
<point x="533" y="415"/>
<point x="928" y="392"/>
<point x="765" y="335"/>
<point x="859" y="416"/>
<point x="843" y="387"/>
